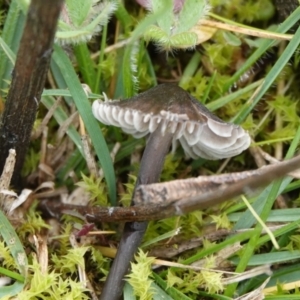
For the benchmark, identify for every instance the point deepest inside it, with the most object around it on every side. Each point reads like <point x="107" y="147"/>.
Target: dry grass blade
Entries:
<point x="246" y="30"/>
<point x="6" y="178"/>
<point x="36" y="134"/>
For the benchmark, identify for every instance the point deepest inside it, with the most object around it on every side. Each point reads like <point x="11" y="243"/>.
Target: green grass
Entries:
<point x="266" y="105"/>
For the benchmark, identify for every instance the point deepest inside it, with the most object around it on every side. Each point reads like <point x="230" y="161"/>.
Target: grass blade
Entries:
<point x="90" y="122"/>
<point x="18" y="253"/>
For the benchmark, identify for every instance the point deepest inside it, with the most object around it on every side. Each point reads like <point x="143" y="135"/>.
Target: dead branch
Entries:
<point x="28" y="80"/>
<point x="164" y="200"/>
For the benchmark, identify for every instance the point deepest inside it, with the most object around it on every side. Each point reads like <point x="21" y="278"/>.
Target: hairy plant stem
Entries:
<point x="151" y="166"/>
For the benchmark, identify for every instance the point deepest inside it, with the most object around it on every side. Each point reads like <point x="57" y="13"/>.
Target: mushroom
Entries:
<point x="167" y="114"/>
<point x="171" y="108"/>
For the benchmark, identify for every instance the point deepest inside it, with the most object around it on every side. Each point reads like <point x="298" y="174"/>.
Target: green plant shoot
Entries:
<point x="176" y="29"/>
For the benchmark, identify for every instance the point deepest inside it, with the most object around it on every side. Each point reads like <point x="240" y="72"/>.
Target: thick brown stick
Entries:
<point x="28" y="81"/>
<point x="157" y="205"/>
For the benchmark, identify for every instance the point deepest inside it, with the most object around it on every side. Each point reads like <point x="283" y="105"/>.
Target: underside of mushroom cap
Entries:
<point x="200" y="133"/>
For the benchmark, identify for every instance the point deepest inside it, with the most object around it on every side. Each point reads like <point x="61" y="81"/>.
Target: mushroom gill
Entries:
<point x="200" y="133"/>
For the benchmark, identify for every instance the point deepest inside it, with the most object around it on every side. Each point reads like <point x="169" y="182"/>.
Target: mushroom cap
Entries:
<point x="200" y="133"/>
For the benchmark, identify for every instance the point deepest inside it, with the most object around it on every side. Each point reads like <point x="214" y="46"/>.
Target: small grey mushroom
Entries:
<point x="200" y="133"/>
<point x="168" y="114"/>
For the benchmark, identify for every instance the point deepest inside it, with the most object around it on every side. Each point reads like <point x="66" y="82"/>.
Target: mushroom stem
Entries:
<point x="151" y="166"/>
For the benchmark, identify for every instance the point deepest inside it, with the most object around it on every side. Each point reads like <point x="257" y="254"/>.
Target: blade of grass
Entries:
<point x="279" y="232"/>
<point x="90" y="122"/>
<point x="271" y="77"/>
<point x="150" y="68"/>
<point x="271" y="194"/>
<point x="97" y="82"/>
<point x="277" y="215"/>
<point x="11" y="274"/>
<point x="127" y="148"/>
<point x="269" y="258"/>
<point x="70" y="165"/>
<point x="164" y="236"/>
<point x="234" y="217"/>
<point x="11" y="290"/>
<point x="283" y="297"/>
<point x="263" y="225"/>
<point x="286" y="274"/>
<point x="285" y="26"/>
<point x="60" y="116"/>
<point x="210" y="296"/>
<point x="8" y="52"/>
<point x="190" y="69"/>
<point x="209" y="86"/>
<point x="128" y="292"/>
<point x="125" y="18"/>
<point x="85" y="64"/>
<point x="11" y="35"/>
<point x="66" y="93"/>
<point x="159" y="293"/>
<point x="247" y="220"/>
<point x="174" y="293"/>
<point x="16" y="248"/>
<point x="215" y="248"/>
<point x="292" y="186"/>
<point x="59" y="80"/>
<point x="214" y="105"/>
